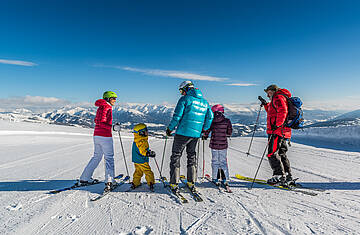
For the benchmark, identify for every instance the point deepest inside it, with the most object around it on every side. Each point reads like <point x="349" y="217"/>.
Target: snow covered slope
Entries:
<point x="341" y="132"/>
<point x="36" y="158"/>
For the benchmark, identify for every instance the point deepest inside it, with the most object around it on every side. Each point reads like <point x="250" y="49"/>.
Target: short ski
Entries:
<point x="121" y="182"/>
<point x="226" y="187"/>
<point x="263" y="182"/>
<point x="222" y="187"/>
<point x="78" y="186"/>
<point x="208" y="178"/>
<point x="193" y="192"/>
<point x="298" y="185"/>
<point x="178" y="195"/>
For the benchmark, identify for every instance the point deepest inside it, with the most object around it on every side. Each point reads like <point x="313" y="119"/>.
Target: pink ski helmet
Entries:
<point x="217" y="108"/>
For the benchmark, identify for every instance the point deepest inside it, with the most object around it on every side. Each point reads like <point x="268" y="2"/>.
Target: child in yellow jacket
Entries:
<point x="140" y="157"/>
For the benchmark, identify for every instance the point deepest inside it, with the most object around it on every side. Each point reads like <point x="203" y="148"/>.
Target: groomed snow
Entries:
<point x="31" y="164"/>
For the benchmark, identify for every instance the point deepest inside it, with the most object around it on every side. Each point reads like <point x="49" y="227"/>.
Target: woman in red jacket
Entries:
<point x="277" y="111"/>
<point x="103" y="142"/>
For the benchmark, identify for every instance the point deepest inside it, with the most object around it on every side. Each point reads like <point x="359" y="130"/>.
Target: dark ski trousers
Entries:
<point x="180" y="142"/>
<point x="277" y="155"/>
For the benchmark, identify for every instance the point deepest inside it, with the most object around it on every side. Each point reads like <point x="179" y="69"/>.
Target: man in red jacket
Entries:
<point x="277" y="111"/>
<point x="103" y="142"/>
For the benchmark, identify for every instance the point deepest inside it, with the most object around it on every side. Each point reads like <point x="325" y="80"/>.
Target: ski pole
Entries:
<point x="203" y="175"/>
<point x="157" y="165"/>
<point x="260" y="163"/>
<point x="163" y="156"/>
<point x="122" y="148"/>
<point x="257" y="120"/>
<point x="197" y="159"/>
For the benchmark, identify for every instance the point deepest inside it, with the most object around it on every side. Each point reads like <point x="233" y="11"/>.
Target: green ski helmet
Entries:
<point x="109" y="94"/>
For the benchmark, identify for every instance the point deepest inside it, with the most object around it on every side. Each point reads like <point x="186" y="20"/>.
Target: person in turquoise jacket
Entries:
<point x="192" y="115"/>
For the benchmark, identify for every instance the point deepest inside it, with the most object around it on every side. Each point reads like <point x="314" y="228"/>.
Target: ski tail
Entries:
<point x="264" y="182"/>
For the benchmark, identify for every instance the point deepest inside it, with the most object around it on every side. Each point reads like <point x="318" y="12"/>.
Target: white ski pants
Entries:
<point x="219" y="161"/>
<point x="103" y="146"/>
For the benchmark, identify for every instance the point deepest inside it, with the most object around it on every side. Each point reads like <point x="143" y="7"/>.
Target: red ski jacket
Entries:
<point x="277" y="111"/>
<point x="103" y="119"/>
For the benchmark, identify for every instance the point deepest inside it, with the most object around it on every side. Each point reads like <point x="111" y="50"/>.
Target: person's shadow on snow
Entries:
<point x="317" y="185"/>
<point x="48" y="185"/>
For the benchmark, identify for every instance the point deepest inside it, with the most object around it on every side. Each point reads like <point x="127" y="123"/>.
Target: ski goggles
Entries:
<point x="142" y="132"/>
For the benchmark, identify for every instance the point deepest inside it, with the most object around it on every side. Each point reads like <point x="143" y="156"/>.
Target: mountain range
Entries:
<point x="157" y="117"/>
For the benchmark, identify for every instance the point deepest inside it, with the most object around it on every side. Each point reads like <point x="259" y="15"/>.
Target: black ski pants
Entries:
<point x="180" y="142"/>
<point x="277" y="155"/>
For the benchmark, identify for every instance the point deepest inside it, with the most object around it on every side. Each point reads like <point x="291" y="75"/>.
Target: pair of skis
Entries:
<point x="221" y="186"/>
<point x="194" y="193"/>
<point x="120" y="181"/>
<point x="294" y="188"/>
<point x="177" y="194"/>
<point x="77" y="185"/>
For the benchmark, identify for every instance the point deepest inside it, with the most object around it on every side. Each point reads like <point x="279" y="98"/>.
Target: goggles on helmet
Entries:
<point x="142" y="132"/>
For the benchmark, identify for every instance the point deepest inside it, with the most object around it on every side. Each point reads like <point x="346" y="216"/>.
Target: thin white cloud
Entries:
<point x="240" y="84"/>
<point x="174" y="74"/>
<point x="41" y="100"/>
<point x="338" y="104"/>
<point x="32" y="102"/>
<point x="17" y="62"/>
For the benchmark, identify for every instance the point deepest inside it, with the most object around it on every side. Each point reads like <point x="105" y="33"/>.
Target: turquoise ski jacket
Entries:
<point x="192" y="115"/>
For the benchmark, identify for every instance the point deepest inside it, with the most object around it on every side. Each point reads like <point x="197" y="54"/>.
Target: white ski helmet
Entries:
<point x="185" y="85"/>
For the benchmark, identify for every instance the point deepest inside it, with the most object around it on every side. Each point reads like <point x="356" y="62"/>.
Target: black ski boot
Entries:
<point x="133" y="186"/>
<point x="277" y="180"/>
<point x="151" y="186"/>
<point x="191" y="186"/>
<point x="174" y="188"/>
<point x="290" y="180"/>
<point x="87" y="182"/>
<point x="108" y="186"/>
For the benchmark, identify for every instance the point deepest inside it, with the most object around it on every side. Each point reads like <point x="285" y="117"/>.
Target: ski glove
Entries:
<point x="116" y="127"/>
<point x="150" y="153"/>
<point x="168" y="131"/>
<point x="262" y="100"/>
<point x="204" y="137"/>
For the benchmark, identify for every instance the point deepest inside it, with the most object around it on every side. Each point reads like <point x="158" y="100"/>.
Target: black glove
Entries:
<point x="168" y="131"/>
<point x="150" y="153"/>
<point x="262" y="100"/>
<point x="116" y="127"/>
<point x="204" y="137"/>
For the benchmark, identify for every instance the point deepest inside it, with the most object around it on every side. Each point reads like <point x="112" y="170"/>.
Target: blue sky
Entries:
<point x="75" y="50"/>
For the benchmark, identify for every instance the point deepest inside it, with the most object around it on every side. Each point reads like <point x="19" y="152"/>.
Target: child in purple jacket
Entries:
<point x="220" y="129"/>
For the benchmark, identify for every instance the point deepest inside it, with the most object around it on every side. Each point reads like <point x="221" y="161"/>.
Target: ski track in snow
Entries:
<point x="262" y="210"/>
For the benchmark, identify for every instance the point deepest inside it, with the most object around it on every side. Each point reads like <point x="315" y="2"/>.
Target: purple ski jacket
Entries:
<point x="220" y="129"/>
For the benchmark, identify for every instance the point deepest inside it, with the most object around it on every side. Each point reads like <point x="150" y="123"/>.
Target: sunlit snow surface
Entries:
<point x="36" y="158"/>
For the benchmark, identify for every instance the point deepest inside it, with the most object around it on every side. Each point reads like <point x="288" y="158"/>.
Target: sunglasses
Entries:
<point x="112" y="98"/>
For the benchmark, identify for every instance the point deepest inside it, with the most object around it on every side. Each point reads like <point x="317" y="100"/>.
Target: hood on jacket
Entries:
<point x="101" y="102"/>
<point x="195" y="93"/>
<point x="283" y="91"/>
<point x="218" y="117"/>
